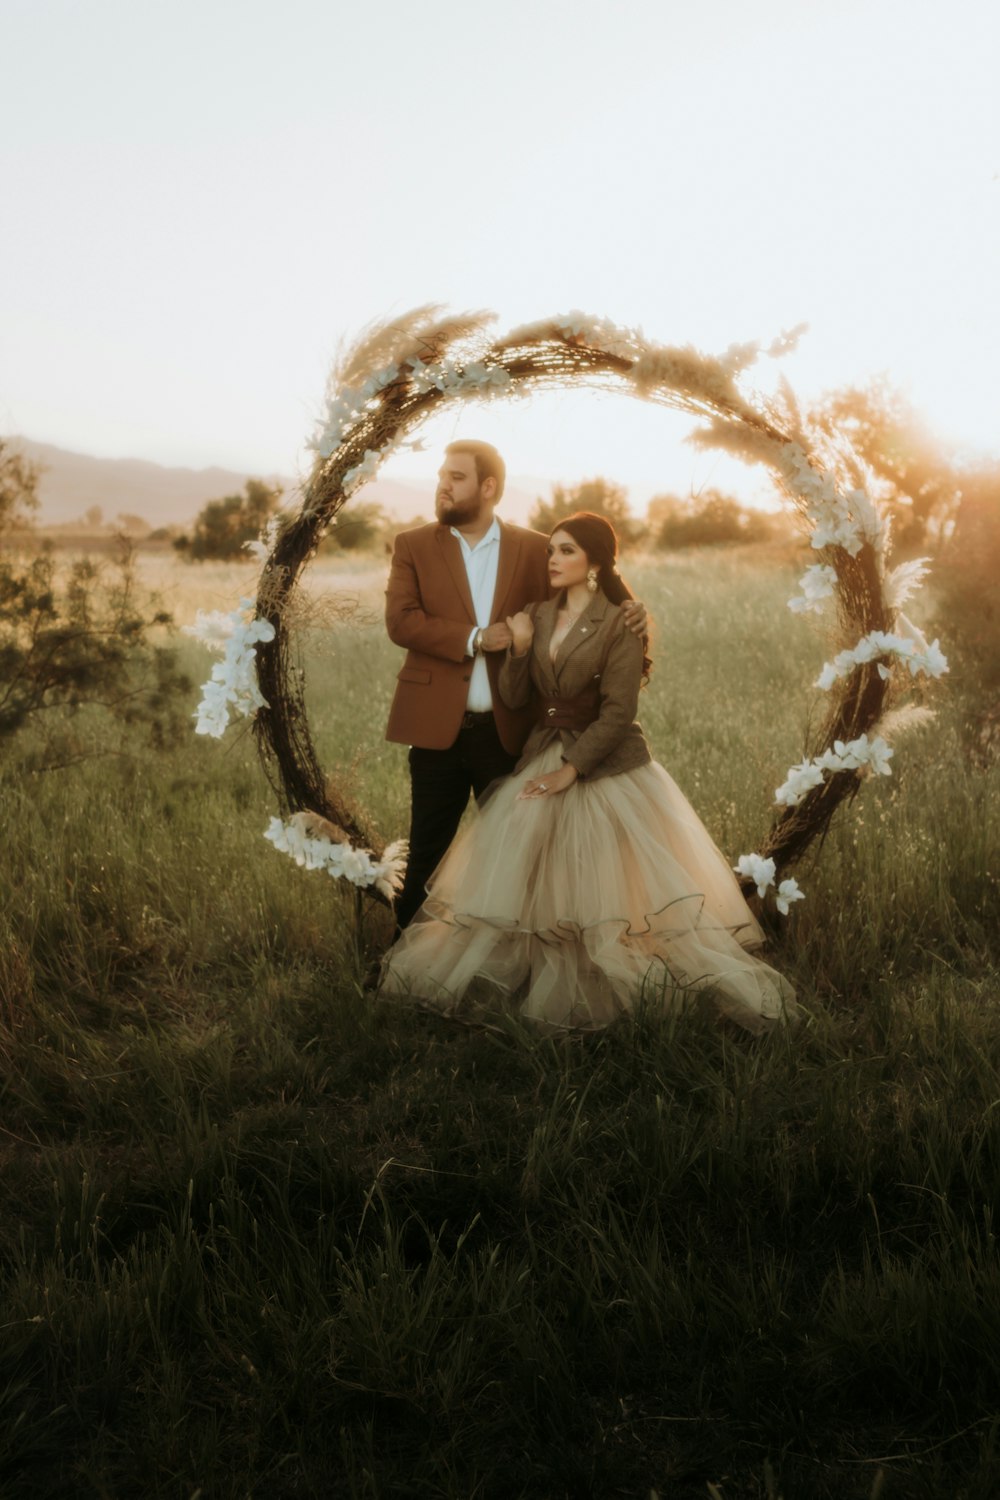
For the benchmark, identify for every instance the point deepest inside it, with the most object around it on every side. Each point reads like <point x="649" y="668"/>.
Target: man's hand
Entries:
<point x="522" y="632"/>
<point x="635" y="616"/>
<point x="496" y="637"/>
<point x="550" y="785"/>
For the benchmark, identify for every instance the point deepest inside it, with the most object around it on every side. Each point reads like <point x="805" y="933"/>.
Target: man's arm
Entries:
<point x="406" y="620"/>
<point x="514" y="681"/>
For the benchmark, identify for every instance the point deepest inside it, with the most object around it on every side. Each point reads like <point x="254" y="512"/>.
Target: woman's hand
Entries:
<point x="550" y="785"/>
<point x="522" y="630"/>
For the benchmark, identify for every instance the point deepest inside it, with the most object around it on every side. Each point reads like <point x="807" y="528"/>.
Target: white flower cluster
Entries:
<point x="817" y="584"/>
<point x="344" y="409"/>
<point x="598" y="333"/>
<point x="762" y="872"/>
<point x="852" y="756"/>
<point x="839" y="519"/>
<point x="362" y="472"/>
<point x="262" y="547"/>
<point x="930" y="660"/>
<point x="578" y="325"/>
<point x="232" y="687"/>
<point x="340" y="861"/>
<point x="476" y="378"/>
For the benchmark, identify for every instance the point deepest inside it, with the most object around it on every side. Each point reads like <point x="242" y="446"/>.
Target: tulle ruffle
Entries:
<point x="577" y="905"/>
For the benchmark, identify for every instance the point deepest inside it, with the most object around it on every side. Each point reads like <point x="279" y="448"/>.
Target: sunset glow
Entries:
<point x="201" y="201"/>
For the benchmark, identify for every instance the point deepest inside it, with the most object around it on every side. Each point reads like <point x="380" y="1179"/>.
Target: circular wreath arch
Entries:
<point x="399" y="374"/>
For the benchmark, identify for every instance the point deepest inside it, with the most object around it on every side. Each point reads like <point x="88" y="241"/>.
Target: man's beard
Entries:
<point x="457" y="512"/>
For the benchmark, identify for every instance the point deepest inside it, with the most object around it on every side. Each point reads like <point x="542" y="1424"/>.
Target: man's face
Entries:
<point x="459" y="497"/>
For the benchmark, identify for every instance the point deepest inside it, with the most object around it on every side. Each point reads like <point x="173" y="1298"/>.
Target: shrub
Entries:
<point x="708" y="520"/>
<point x="967" y="590"/>
<point x="223" y="528"/>
<point x="600" y="496"/>
<point x="77" y="640"/>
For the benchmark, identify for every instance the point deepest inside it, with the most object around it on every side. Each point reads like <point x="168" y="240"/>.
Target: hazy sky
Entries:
<point x="201" y="198"/>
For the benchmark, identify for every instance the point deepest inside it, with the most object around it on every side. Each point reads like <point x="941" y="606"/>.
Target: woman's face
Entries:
<point x="568" y="563"/>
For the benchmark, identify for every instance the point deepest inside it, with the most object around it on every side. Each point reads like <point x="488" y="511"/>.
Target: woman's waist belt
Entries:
<point x="570" y="713"/>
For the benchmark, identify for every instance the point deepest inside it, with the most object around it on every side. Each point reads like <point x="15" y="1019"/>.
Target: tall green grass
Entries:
<point x="262" y="1237"/>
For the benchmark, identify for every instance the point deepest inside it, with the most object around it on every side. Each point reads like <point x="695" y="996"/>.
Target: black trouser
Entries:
<point x="440" y="783"/>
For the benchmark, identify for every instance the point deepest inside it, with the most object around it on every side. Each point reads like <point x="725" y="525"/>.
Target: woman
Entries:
<point x="587" y="879"/>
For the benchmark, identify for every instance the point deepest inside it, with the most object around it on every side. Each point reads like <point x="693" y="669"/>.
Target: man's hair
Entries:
<point x="489" y="464"/>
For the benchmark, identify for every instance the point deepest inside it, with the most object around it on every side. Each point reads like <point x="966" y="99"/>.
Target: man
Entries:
<point x="452" y="586"/>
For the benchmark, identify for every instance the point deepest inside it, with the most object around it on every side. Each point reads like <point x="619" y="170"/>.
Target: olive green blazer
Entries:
<point x="597" y="648"/>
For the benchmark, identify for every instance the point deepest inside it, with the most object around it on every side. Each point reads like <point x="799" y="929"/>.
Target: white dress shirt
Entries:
<point x="481" y="562"/>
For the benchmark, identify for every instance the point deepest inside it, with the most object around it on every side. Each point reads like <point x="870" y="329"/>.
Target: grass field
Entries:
<point x="261" y="1238"/>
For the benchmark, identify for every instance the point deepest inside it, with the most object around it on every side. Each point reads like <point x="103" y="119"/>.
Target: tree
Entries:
<point x="601" y="496"/>
<point x="663" y="508"/>
<point x="359" y="527"/>
<point x="920" y="470"/>
<point x="134" y="526"/>
<point x="18" y="491"/>
<point x="82" y="640"/>
<point x="938" y="502"/>
<point x="224" y="526"/>
<point x="706" y="520"/>
<point x="965" y="579"/>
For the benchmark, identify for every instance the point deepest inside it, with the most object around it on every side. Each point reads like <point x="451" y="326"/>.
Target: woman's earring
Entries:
<point x="592" y="580"/>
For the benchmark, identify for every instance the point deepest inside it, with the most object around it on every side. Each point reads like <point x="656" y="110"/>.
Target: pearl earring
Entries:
<point x="592" y="580"/>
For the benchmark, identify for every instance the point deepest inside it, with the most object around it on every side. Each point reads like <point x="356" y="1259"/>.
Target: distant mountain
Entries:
<point x="72" y="483"/>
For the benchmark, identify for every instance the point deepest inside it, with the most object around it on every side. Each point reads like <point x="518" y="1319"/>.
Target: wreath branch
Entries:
<point x="391" y="380"/>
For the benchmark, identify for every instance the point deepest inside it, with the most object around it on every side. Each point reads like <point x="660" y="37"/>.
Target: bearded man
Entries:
<point x="452" y="587"/>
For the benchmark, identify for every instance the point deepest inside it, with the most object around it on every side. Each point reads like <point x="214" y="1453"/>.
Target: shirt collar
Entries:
<point x="493" y="535"/>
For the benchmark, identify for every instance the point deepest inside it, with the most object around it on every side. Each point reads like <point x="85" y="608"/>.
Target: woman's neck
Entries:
<point x="578" y="596"/>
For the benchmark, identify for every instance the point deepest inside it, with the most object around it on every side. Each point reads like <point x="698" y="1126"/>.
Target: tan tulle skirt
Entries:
<point x="577" y="905"/>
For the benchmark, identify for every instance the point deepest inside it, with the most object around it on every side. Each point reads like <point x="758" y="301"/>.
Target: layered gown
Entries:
<point x="578" y="905"/>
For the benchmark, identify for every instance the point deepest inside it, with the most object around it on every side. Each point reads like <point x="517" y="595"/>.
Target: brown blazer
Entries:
<point x="598" y="649"/>
<point x="428" y="609"/>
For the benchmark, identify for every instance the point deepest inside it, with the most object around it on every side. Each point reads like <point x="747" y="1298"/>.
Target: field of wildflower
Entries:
<point x="263" y="1237"/>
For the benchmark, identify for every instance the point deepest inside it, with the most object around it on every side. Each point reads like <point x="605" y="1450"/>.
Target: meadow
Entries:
<point x="262" y="1237"/>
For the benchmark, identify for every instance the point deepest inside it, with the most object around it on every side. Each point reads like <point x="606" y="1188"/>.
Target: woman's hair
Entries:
<point x="599" y="540"/>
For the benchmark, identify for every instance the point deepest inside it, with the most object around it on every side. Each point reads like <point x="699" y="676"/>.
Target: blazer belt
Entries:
<point x="569" y="713"/>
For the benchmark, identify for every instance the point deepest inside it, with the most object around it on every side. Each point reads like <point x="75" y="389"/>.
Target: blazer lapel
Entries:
<point x="510" y="551"/>
<point x="581" y="630"/>
<point x="545" y="624"/>
<point x="451" y="551"/>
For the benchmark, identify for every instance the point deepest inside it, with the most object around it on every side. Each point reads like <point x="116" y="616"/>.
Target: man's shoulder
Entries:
<point x="420" y="539"/>
<point x="418" y="536"/>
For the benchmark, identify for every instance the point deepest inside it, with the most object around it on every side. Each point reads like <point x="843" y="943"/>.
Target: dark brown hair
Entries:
<point x="489" y="464"/>
<point x="599" y="540"/>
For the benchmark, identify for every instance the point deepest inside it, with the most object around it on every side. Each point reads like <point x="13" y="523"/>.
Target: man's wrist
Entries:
<point x="477" y="642"/>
